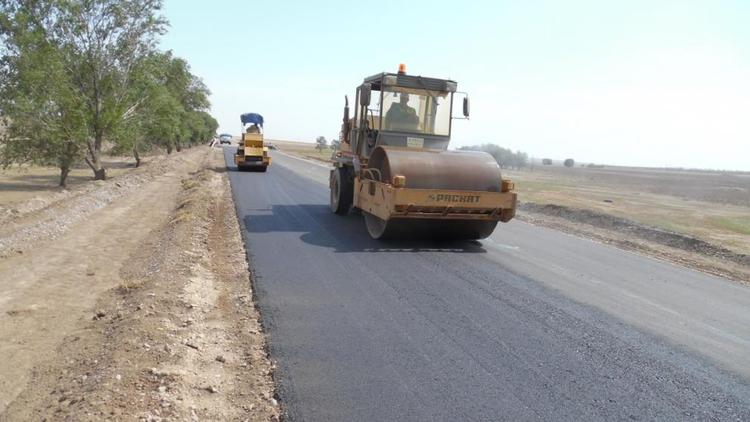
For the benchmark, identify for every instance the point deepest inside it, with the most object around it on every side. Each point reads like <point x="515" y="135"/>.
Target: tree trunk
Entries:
<point x="95" y="152"/>
<point x="137" y="157"/>
<point x="100" y="174"/>
<point x="64" y="171"/>
<point x="178" y="146"/>
<point x="169" y="148"/>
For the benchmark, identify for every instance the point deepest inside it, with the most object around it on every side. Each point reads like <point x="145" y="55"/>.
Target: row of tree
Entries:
<point x="78" y="77"/>
<point x="321" y="143"/>
<point x="505" y="157"/>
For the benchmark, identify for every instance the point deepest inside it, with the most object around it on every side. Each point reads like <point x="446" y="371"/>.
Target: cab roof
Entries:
<point x="410" y="81"/>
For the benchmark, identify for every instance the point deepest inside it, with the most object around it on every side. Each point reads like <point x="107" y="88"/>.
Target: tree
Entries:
<point x="77" y="73"/>
<point x="173" y="112"/>
<point x="97" y="44"/>
<point x="145" y="128"/>
<point x="520" y="160"/>
<point x="569" y="162"/>
<point x="335" y="145"/>
<point x="547" y="161"/>
<point x="192" y="95"/>
<point x="44" y="116"/>
<point x="321" y="143"/>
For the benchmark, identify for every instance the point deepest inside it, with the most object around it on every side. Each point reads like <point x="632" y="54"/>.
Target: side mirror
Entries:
<point x="346" y="109"/>
<point x="466" y="106"/>
<point x="364" y="95"/>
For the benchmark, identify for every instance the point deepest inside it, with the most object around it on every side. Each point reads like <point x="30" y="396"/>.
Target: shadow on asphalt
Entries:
<point x="320" y="227"/>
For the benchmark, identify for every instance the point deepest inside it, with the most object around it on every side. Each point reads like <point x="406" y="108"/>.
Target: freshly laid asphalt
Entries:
<point x="530" y="324"/>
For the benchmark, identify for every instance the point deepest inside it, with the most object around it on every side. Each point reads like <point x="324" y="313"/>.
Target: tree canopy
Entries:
<point x="78" y="75"/>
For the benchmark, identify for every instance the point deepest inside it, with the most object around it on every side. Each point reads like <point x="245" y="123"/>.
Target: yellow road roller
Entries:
<point x="394" y="164"/>
<point x="251" y="153"/>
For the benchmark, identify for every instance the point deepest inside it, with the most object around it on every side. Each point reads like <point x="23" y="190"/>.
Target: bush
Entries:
<point x="569" y="162"/>
<point x="547" y="161"/>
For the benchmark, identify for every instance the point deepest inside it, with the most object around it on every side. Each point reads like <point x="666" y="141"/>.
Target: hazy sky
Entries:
<point x="653" y="83"/>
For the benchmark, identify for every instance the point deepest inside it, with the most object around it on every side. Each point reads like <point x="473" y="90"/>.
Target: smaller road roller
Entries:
<point x="395" y="167"/>
<point x="252" y="154"/>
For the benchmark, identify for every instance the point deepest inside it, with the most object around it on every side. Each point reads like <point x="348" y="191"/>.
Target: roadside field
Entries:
<point x="713" y="206"/>
<point x="304" y="149"/>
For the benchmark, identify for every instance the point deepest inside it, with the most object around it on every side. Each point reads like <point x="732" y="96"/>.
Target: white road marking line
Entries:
<point x="501" y="245"/>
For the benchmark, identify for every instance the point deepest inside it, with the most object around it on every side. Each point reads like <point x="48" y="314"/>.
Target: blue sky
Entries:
<point x="652" y="83"/>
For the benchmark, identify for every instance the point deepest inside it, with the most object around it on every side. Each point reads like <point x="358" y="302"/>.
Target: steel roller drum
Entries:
<point x="426" y="169"/>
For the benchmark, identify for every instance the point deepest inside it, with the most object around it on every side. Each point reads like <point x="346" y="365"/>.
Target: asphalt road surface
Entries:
<point x="531" y="324"/>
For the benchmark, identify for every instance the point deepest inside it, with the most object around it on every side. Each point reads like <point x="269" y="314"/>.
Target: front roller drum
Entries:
<point x="412" y="228"/>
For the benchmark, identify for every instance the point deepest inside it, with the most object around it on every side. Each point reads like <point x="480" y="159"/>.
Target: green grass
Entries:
<point x="736" y="224"/>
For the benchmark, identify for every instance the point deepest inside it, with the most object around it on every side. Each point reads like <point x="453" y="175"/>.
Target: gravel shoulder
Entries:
<point x="141" y="308"/>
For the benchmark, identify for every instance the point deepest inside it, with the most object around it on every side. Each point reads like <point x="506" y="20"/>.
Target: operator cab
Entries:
<point x="402" y="110"/>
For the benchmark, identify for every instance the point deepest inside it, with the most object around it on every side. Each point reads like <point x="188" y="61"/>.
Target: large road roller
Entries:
<point x="395" y="167"/>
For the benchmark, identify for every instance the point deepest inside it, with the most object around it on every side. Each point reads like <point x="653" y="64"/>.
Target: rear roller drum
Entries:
<point x="401" y="228"/>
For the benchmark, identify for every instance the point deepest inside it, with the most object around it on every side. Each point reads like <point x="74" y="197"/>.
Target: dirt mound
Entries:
<point x="637" y="230"/>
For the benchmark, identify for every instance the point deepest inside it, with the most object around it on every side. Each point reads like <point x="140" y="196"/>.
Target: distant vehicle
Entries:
<point x="270" y="145"/>
<point x="225" y="138"/>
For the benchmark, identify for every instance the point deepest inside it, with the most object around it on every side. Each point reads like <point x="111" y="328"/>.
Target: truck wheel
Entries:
<point x="342" y="190"/>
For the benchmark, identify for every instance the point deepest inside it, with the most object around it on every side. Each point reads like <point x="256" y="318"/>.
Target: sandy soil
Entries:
<point x="140" y="309"/>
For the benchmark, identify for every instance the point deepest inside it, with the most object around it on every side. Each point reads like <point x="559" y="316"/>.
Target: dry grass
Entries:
<point x="304" y="149"/>
<point x="130" y="285"/>
<point x="194" y="194"/>
<point x="21" y="183"/>
<point x="655" y="201"/>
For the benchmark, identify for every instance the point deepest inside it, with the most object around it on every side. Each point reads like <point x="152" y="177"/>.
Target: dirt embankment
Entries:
<point x="143" y="309"/>
<point x="628" y="234"/>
